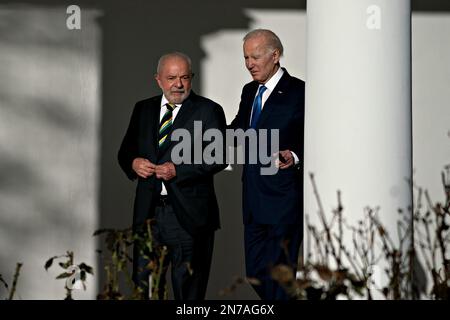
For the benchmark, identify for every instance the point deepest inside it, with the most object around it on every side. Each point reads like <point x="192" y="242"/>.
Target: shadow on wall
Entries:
<point x="135" y="33"/>
<point x="135" y="36"/>
<point x="48" y="142"/>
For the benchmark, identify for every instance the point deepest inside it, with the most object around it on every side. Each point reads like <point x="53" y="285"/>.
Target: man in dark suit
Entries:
<point x="180" y="197"/>
<point x="272" y="204"/>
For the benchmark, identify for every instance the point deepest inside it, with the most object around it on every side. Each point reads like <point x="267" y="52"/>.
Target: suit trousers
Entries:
<point x="267" y="246"/>
<point x="189" y="256"/>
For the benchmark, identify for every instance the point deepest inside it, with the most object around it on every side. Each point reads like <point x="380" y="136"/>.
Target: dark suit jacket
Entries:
<point x="275" y="199"/>
<point x="191" y="192"/>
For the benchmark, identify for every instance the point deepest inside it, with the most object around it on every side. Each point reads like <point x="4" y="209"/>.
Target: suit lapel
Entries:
<point x="151" y="121"/>
<point x="277" y="93"/>
<point x="184" y="113"/>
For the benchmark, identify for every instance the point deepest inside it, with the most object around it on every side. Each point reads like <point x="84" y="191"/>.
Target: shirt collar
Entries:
<point x="274" y="80"/>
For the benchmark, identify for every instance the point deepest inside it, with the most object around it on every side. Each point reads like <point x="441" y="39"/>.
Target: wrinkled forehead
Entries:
<point x="175" y="65"/>
<point x="256" y="44"/>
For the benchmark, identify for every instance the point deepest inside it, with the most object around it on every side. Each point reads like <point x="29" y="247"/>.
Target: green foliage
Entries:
<point x="335" y="271"/>
<point x="332" y="271"/>
<point x="118" y="260"/>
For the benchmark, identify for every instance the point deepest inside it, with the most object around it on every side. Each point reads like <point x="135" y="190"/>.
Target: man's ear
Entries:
<point x="276" y="56"/>
<point x="158" y="81"/>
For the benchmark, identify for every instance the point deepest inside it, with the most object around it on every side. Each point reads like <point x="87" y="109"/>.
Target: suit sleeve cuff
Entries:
<point x="296" y="159"/>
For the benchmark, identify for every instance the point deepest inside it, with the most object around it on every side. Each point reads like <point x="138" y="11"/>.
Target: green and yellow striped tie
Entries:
<point x="166" y="124"/>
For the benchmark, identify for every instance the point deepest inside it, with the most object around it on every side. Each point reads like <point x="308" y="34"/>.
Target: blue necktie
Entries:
<point x="257" y="105"/>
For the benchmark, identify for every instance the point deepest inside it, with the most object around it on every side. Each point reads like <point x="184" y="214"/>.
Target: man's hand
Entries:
<point x="165" y="171"/>
<point x="286" y="159"/>
<point x="143" y="167"/>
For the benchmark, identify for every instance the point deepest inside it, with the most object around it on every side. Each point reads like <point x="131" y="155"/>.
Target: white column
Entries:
<point x="358" y="107"/>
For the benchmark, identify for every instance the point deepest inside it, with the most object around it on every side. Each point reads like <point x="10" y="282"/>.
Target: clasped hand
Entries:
<point x="144" y="169"/>
<point x="285" y="159"/>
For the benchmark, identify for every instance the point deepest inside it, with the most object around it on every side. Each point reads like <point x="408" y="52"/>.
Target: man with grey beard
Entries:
<point x="179" y="197"/>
